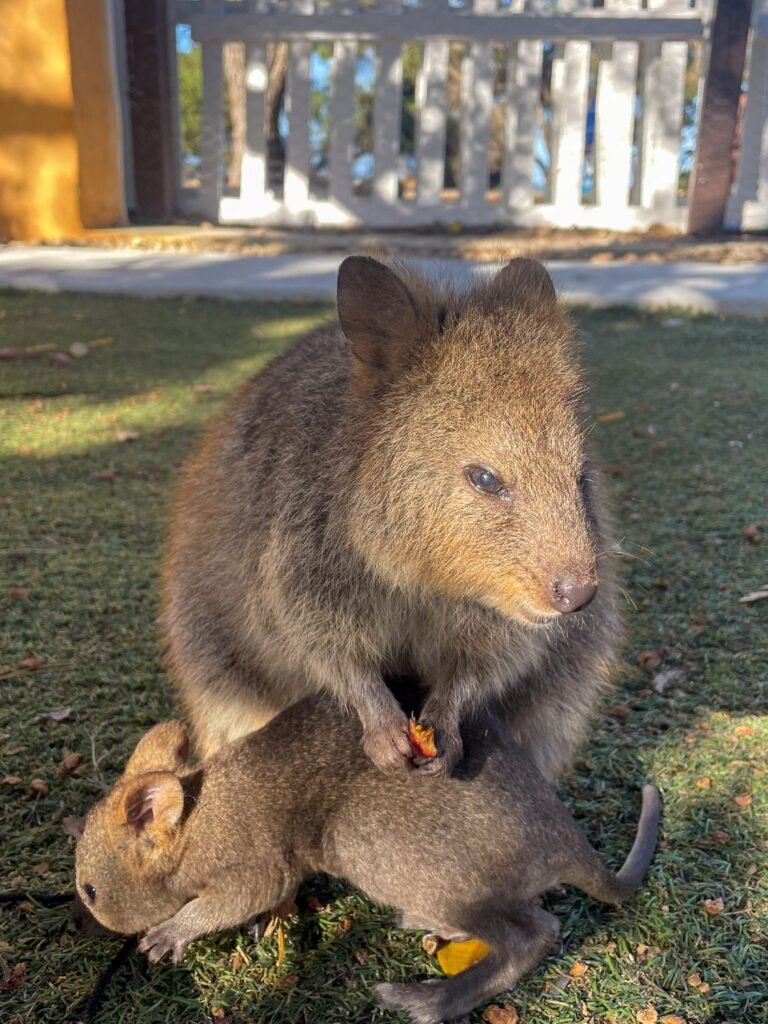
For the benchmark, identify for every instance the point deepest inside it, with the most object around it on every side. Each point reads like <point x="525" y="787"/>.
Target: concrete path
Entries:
<point x="705" y="287"/>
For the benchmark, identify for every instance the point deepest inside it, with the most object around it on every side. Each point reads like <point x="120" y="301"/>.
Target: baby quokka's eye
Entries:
<point x="487" y="481"/>
<point x="90" y="892"/>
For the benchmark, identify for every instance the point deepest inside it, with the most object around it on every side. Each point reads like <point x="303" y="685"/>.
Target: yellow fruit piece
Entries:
<point x="455" y="957"/>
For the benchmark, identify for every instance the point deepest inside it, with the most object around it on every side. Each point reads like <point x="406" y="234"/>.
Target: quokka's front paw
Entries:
<point x="387" y="743"/>
<point x="163" y="939"/>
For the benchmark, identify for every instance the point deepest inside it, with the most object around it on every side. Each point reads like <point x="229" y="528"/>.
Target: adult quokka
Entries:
<point x="407" y="493"/>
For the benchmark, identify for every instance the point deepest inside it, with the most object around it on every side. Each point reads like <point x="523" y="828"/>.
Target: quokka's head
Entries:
<point x="474" y="481"/>
<point x="132" y="840"/>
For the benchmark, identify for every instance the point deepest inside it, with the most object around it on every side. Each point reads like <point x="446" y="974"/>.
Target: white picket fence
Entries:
<point x="639" y="102"/>
<point x="748" y="204"/>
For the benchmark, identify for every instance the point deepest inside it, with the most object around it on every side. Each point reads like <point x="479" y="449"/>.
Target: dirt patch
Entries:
<point x="654" y="246"/>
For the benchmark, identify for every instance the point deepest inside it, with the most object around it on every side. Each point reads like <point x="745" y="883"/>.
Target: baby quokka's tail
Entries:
<point x="588" y="872"/>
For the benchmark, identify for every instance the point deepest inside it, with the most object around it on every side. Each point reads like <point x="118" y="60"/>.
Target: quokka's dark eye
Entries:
<point x="486" y="481"/>
<point x="90" y="892"/>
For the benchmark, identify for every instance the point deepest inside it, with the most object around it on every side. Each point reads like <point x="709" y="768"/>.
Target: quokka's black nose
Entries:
<point x="571" y="597"/>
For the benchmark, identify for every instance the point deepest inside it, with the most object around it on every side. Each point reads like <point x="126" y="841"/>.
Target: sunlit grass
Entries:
<point x="82" y="517"/>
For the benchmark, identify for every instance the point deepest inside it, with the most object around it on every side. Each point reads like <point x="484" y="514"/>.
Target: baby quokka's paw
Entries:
<point x="162" y="939"/>
<point x="386" y="743"/>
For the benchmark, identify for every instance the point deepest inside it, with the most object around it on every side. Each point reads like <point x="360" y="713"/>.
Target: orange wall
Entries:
<point x="43" y="193"/>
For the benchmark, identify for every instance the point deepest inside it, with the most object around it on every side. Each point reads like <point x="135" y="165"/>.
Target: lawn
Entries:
<point x="89" y="453"/>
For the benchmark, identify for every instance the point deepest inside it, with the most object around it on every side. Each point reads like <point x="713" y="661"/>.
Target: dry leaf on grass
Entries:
<point x="12" y="976"/>
<point x="11" y="780"/>
<point x="79" y="349"/>
<point x="40" y="869"/>
<point x="744" y="800"/>
<point x="73" y="826"/>
<point x="70" y="763"/>
<point x="505" y="1014"/>
<point x="17" y="593"/>
<point x="59" y="359"/>
<point x="662" y="679"/>
<point x="618" y="711"/>
<point x="672" y="1018"/>
<point x="744" y="730"/>
<point x="694" y="980"/>
<point x="38" y="787"/>
<point x="647" y="1015"/>
<point x="107" y="475"/>
<point x="650" y="659"/>
<point x="32" y="662"/>
<point x="610" y="417"/>
<point x="752" y="533"/>
<point x="719" y="838"/>
<point x="713" y="907"/>
<point x="121" y="436"/>
<point x="755" y="595"/>
<point x="704" y="782"/>
<point x="578" y="970"/>
<point x="59" y="715"/>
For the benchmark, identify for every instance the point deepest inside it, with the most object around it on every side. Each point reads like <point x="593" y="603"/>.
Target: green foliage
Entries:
<point x="190" y="84"/>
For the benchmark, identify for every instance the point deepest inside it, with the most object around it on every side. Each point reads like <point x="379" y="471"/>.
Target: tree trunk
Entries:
<point x="234" y="78"/>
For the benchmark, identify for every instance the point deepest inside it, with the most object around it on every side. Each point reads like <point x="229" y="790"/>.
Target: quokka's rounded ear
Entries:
<point x="165" y="748"/>
<point x="151" y="803"/>
<point x="376" y="311"/>
<point x="526" y="283"/>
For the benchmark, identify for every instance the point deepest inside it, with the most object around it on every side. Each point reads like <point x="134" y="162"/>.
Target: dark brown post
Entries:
<point x="150" y="93"/>
<point x="713" y="169"/>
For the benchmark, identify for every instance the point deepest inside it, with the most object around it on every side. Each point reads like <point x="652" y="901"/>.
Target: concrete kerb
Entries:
<point x="732" y="290"/>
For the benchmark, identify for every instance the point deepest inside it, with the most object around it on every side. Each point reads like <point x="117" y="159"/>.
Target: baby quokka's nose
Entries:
<point x="570" y="597"/>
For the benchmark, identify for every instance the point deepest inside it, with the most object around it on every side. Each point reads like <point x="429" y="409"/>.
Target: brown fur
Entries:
<point x="179" y="854"/>
<point x="325" y="538"/>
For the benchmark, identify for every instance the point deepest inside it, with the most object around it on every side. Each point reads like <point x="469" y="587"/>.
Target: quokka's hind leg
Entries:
<point x="518" y="941"/>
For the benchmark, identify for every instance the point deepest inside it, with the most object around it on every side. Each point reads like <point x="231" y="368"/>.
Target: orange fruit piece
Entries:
<point x="422" y="739"/>
<point x="455" y="957"/>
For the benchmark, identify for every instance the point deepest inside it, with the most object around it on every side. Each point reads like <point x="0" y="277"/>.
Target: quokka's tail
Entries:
<point x="590" y="874"/>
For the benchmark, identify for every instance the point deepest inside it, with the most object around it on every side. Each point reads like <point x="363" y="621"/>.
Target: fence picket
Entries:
<point x="615" y="117"/>
<point x="430" y="102"/>
<point x="748" y="206"/>
<point x="386" y="120"/>
<point x="298" y="102"/>
<point x="570" y="84"/>
<point x="663" y="67"/>
<point x="523" y="89"/>
<point x="477" y="75"/>
<point x="342" y="120"/>
<point x="253" y="176"/>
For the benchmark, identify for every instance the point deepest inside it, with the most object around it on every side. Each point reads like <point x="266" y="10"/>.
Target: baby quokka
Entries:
<point x="176" y="852"/>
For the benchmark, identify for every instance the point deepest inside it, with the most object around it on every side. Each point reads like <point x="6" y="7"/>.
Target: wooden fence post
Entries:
<point x="719" y="112"/>
<point x="150" y="93"/>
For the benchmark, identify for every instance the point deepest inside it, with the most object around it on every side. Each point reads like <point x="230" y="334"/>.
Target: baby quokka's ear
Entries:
<point x="165" y="748"/>
<point x="150" y="805"/>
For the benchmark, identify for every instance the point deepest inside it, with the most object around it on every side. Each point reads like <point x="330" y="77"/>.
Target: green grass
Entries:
<point x="81" y="539"/>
